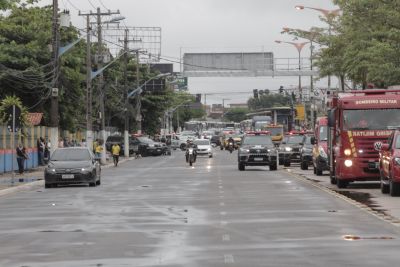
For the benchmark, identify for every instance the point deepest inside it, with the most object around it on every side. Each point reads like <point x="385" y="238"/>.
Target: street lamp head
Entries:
<point x="162" y="75"/>
<point x="299" y="7"/>
<point x="286" y="29"/>
<point x="278" y="42"/>
<point x="115" y="19"/>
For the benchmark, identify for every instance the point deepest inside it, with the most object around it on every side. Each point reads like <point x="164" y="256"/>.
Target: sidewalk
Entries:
<point x="32" y="178"/>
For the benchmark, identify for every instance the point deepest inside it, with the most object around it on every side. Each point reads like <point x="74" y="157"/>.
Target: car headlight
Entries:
<point x="288" y="149"/>
<point x="86" y="169"/>
<point x="322" y="152"/>
<point x="151" y="145"/>
<point x="347" y="152"/>
<point x="51" y="170"/>
<point x="348" y="163"/>
<point x="244" y="150"/>
<point x="397" y="160"/>
<point x="209" y="149"/>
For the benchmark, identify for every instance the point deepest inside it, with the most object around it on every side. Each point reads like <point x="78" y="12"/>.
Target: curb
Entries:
<point x="386" y="218"/>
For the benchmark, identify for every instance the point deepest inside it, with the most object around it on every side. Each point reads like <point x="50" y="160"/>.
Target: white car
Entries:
<point x="203" y="147"/>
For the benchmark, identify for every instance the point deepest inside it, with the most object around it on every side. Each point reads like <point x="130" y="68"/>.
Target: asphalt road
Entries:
<point x="158" y="211"/>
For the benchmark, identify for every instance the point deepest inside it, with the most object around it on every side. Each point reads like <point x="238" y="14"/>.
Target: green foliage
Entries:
<point x="365" y="46"/>
<point x="236" y="114"/>
<point x="9" y="101"/>
<point x="268" y="101"/>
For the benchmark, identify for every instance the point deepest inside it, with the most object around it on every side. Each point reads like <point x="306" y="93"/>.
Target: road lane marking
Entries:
<point x="222" y="204"/>
<point x="228" y="258"/>
<point x="220" y="187"/>
<point x="223" y="223"/>
<point x="226" y="237"/>
<point x="223" y="213"/>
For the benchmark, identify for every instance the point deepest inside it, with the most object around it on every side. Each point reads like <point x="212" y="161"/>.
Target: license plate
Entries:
<point x="67" y="176"/>
<point x="258" y="159"/>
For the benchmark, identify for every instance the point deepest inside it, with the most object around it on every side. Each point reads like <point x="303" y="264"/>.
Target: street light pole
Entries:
<point x="329" y="15"/>
<point x="299" y="47"/>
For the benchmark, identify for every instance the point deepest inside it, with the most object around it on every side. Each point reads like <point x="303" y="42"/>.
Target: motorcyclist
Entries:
<point x="231" y="141"/>
<point x="190" y="144"/>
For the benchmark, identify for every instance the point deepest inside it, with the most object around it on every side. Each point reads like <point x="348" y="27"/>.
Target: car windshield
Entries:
<point x="323" y="133"/>
<point x="257" y="140"/>
<point x="201" y="142"/>
<point x="274" y="130"/>
<point x="294" y="139"/>
<point x="71" y="154"/>
<point x="371" y="119"/>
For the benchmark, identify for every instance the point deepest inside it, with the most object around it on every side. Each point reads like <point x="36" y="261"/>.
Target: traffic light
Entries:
<point x="281" y="89"/>
<point x="255" y="93"/>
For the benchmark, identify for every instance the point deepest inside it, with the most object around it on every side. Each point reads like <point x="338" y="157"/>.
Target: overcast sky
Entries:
<point x="217" y="26"/>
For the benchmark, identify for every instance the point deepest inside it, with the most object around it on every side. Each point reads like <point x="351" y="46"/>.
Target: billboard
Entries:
<point x="259" y="61"/>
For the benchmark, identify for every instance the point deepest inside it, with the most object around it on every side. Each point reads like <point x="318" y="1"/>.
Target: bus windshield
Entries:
<point x="371" y="119"/>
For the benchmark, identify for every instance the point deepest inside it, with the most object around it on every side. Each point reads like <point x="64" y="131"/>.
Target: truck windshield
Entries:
<point x="323" y="133"/>
<point x="371" y="119"/>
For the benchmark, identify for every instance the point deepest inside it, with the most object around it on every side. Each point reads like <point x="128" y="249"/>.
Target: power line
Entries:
<point x="73" y="5"/>
<point x="101" y="3"/>
<point x="90" y="2"/>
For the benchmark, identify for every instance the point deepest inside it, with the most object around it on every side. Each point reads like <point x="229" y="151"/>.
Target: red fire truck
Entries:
<point x="359" y="123"/>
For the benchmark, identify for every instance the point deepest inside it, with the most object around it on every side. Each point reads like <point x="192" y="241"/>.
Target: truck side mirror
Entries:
<point x="385" y="147"/>
<point x="313" y="140"/>
<point x="331" y="118"/>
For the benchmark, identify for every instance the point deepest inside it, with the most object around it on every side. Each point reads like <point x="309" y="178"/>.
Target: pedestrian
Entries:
<point x="21" y="157"/>
<point x="98" y="150"/>
<point x="83" y="143"/>
<point x="60" y="143"/>
<point x="115" y="150"/>
<point x="95" y="143"/>
<point x="41" y="147"/>
<point x="47" y="151"/>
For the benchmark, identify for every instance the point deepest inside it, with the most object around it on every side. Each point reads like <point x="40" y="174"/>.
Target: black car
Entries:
<point x="257" y="150"/>
<point x="215" y="139"/>
<point x="118" y="139"/>
<point x="306" y="153"/>
<point x="72" y="165"/>
<point x="289" y="150"/>
<point x="148" y="147"/>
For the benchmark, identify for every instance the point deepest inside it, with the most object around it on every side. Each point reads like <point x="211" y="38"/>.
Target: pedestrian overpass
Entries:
<point x="258" y="64"/>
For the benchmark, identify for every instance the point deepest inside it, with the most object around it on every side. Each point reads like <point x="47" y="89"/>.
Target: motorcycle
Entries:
<point x="230" y="147"/>
<point x="190" y="157"/>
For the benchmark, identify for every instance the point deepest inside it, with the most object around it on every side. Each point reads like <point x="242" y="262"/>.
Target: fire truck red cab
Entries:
<point x="359" y="123"/>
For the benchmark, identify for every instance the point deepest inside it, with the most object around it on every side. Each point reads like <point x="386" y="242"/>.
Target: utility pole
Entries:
<point x="126" y="131"/>
<point x="138" y="98"/>
<point x="89" y="108"/>
<point x="54" y="120"/>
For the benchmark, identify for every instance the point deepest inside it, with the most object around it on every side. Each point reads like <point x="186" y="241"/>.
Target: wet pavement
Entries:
<point x="157" y="211"/>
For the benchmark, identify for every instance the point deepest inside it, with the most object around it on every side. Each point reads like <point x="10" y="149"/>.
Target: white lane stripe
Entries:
<point x="223" y="222"/>
<point x="222" y="204"/>
<point x="223" y="213"/>
<point x="228" y="258"/>
<point x="226" y="238"/>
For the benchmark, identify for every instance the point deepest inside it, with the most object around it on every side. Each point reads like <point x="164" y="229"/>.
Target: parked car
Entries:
<point x="118" y="139"/>
<point x="306" y="153"/>
<point x="72" y="165"/>
<point x="389" y="164"/>
<point x="203" y="147"/>
<point x="147" y="147"/>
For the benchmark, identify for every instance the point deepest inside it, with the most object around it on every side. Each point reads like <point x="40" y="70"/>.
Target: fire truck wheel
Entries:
<point x="341" y="183"/>
<point x="304" y="165"/>
<point x="394" y="189"/>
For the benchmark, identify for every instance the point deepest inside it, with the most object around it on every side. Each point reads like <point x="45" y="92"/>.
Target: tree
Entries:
<point x="236" y="114"/>
<point x="5" y="105"/>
